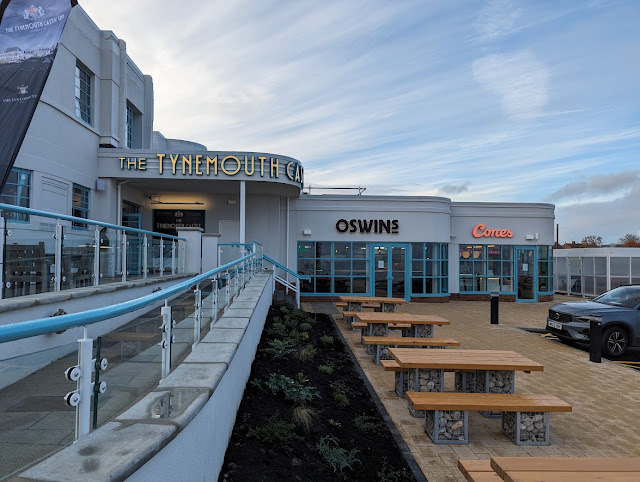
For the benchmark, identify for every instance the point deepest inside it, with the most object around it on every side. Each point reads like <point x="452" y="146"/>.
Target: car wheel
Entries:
<point x="614" y="341"/>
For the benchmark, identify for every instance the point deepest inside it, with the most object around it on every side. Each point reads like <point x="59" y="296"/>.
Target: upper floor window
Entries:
<point x="80" y="205"/>
<point x="129" y="126"/>
<point x="17" y="191"/>
<point x="83" y="94"/>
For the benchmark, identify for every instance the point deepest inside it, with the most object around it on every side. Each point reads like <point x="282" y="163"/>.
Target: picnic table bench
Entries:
<point x="421" y="325"/>
<point x="551" y="469"/>
<point x="355" y="303"/>
<point x="382" y="344"/>
<point x="525" y="420"/>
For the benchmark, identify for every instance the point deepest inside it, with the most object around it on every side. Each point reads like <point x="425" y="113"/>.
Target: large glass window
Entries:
<point x="485" y="268"/>
<point x="334" y="267"/>
<point x="429" y="269"/>
<point x="17" y="191"/>
<point x="83" y="94"/>
<point x="80" y="205"/>
<point x="545" y="269"/>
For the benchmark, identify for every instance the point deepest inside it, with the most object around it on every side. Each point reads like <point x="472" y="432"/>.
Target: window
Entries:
<point x="80" y="205"/>
<point x="485" y="268"/>
<point x="429" y="269"/>
<point x="17" y="191"/>
<point x="83" y="94"/>
<point x="545" y="269"/>
<point x="129" y="126"/>
<point x="334" y="267"/>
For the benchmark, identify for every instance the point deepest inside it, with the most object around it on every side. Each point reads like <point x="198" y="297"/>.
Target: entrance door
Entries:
<point x="390" y="270"/>
<point x="526" y="271"/>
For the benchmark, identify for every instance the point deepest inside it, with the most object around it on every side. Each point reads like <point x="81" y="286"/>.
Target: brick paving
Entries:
<point x="606" y="414"/>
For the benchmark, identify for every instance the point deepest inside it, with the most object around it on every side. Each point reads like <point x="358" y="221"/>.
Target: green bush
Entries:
<point x="366" y="423"/>
<point x="277" y="329"/>
<point x="305" y="326"/>
<point x="327" y="340"/>
<point x="307" y="353"/>
<point x="326" y="369"/>
<point x="294" y="390"/>
<point x="279" y="349"/>
<point x="337" y="457"/>
<point x="341" y="399"/>
<point x="277" y="432"/>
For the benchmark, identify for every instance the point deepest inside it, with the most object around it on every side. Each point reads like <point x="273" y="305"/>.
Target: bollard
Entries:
<point x="595" y="339"/>
<point x="495" y="297"/>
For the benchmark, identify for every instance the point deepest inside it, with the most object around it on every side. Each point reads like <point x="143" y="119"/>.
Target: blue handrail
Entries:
<point x="37" y="212"/>
<point x="287" y="270"/>
<point x="27" y="329"/>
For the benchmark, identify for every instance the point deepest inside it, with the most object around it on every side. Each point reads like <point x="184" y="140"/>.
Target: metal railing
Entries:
<point x="45" y="251"/>
<point x="288" y="285"/>
<point x="214" y="291"/>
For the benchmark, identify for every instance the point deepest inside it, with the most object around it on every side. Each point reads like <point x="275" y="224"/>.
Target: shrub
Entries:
<point x="341" y="399"/>
<point x="305" y="326"/>
<point x="327" y="340"/>
<point x="387" y="474"/>
<point x="276" y="432"/>
<point x="366" y="423"/>
<point x="303" y="417"/>
<point x="277" y="329"/>
<point x="279" y="349"/>
<point x="307" y="353"/>
<point x="326" y="369"/>
<point x="337" y="457"/>
<point x="294" y="390"/>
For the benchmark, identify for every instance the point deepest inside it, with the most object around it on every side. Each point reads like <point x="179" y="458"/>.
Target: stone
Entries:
<point x="457" y="425"/>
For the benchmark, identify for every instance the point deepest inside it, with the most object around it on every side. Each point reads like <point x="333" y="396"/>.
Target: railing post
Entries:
<point x="173" y="256"/>
<point x="124" y="256"/>
<point x="214" y="295"/>
<point x="58" y="256"/>
<point x="96" y="257"/>
<point x="298" y="293"/>
<point x="227" y="289"/>
<point x="197" y="322"/>
<point x="2" y="241"/>
<point x="183" y="256"/>
<point x="145" y="252"/>
<point x="161" y="257"/>
<point x="167" y="338"/>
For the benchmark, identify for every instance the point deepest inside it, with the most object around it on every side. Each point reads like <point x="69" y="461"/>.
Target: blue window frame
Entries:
<point x="80" y="205"/>
<point x="545" y="270"/>
<point x="83" y="94"/>
<point x="17" y="191"/>
<point x="485" y="268"/>
<point x="429" y="269"/>
<point x="334" y="267"/>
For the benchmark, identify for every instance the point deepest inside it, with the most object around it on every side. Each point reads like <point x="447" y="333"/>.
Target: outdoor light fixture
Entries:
<point x="155" y="199"/>
<point x="306" y="232"/>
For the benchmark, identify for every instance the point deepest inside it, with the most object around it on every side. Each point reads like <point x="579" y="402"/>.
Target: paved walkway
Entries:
<point x="605" y="397"/>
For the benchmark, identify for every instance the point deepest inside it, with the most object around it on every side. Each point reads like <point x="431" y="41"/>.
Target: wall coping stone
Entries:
<point x="212" y="353"/>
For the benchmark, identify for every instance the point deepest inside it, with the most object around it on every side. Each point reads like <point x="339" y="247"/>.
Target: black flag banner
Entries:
<point x="29" y="34"/>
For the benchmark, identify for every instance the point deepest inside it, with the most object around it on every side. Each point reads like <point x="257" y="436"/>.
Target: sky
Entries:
<point x="474" y="100"/>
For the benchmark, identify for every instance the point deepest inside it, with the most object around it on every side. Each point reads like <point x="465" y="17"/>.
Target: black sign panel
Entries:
<point x="168" y="221"/>
<point x="29" y="34"/>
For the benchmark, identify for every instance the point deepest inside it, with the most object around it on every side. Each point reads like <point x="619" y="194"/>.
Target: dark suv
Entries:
<point x="620" y="312"/>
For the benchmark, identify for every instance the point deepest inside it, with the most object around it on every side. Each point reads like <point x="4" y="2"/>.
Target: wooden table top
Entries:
<point x="547" y="476"/>
<point x="504" y="465"/>
<point x="371" y="299"/>
<point x="464" y="359"/>
<point x="378" y="317"/>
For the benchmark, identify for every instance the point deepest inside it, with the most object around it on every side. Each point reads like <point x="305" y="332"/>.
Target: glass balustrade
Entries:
<point x="78" y="257"/>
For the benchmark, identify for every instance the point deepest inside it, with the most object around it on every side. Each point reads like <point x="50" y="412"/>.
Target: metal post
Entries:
<point x="173" y="256"/>
<point x="96" y="257"/>
<point x="595" y="339"/>
<point x="298" y="293"/>
<point x="161" y="256"/>
<point x="197" y="322"/>
<point x="145" y="252"/>
<point x="58" y="256"/>
<point x="495" y="298"/>
<point x="214" y="294"/>
<point x="2" y="244"/>
<point x="167" y="338"/>
<point x="227" y="289"/>
<point x="85" y="363"/>
<point x="124" y="256"/>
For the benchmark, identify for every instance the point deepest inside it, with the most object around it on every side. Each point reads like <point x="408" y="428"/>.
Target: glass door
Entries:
<point x="390" y="270"/>
<point x="526" y="271"/>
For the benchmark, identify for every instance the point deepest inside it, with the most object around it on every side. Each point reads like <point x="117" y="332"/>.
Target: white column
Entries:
<point x="243" y="213"/>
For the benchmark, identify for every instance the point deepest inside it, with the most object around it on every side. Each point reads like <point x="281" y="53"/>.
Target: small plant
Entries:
<point x="304" y="336"/>
<point x="276" y="432"/>
<point x="307" y="353"/>
<point x="326" y="369"/>
<point x="279" y="349"/>
<point x="337" y="457"/>
<point x="256" y="382"/>
<point x="334" y="423"/>
<point x="366" y="423"/>
<point x="387" y="474"/>
<point x="277" y="329"/>
<point x="303" y="417"/>
<point x="327" y="340"/>
<point x="294" y="336"/>
<point x="293" y="390"/>
<point x="305" y="326"/>
<point x="341" y="399"/>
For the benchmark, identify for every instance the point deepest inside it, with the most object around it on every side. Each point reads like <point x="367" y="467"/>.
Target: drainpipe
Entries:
<point x="243" y="201"/>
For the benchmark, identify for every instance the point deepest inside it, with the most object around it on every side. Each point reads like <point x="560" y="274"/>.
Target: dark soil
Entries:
<point x="267" y="444"/>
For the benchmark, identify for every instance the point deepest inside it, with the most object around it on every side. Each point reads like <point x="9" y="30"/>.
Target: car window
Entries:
<point x="627" y="297"/>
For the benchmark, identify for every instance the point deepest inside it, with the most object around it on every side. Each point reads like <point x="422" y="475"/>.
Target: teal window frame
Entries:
<point x="17" y="192"/>
<point x="545" y="260"/>
<point x="473" y="271"/>
<point x="429" y="265"/>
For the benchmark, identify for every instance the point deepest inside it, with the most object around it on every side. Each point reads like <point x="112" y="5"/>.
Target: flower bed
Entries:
<point x="306" y="414"/>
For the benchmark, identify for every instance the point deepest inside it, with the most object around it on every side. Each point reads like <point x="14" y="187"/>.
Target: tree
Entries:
<point x="629" y="241"/>
<point x="591" y="241"/>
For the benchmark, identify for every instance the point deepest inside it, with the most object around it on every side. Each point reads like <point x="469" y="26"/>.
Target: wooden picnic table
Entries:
<point x="566" y="469"/>
<point x="354" y="303"/>
<point x="476" y="371"/>
<point x="421" y="325"/>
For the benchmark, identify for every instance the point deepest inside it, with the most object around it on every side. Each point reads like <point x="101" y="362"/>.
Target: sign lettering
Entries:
<point x="365" y="226"/>
<point x="479" y="231"/>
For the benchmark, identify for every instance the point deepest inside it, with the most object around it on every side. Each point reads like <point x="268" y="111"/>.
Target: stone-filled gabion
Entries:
<point x="423" y="331"/>
<point x="465" y="382"/>
<point x="389" y="307"/>
<point x="526" y="428"/>
<point x="384" y="352"/>
<point x="425" y="380"/>
<point x="445" y="426"/>
<point x="377" y="329"/>
<point x="495" y="381"/>
<point x="402" y="383"/>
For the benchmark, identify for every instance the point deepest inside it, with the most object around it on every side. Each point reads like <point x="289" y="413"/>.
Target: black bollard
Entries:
<point x="595" y="339"/>
<point x="495" y="297"/>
